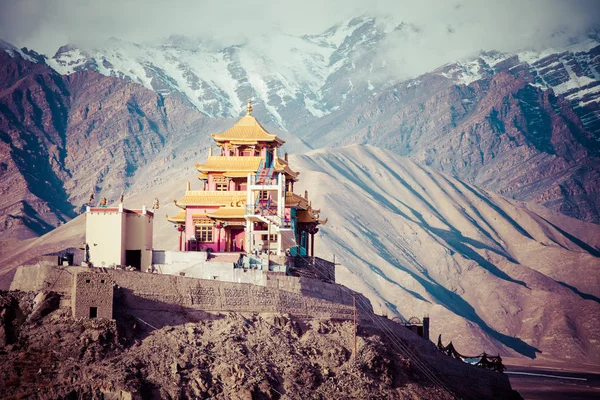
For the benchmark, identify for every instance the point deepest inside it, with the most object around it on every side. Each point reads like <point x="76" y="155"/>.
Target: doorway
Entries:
<point x="134" y="258"/>
<point x="93" y="312"/>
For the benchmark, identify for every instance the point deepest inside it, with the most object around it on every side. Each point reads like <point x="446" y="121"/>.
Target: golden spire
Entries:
<point x="249" y="107"/>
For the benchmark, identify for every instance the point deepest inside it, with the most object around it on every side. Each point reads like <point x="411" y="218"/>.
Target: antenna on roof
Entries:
<point x="249" y="107"/>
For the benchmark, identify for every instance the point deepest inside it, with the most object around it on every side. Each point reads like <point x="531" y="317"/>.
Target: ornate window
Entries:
<point x="222" y="183"/>
<point x="204" y="233"/>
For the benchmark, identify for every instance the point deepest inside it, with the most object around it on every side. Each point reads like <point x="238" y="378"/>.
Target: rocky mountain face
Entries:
<point x="495" y="126"/>
<point x="32" y="200"/>
<point x="65" y="137"/>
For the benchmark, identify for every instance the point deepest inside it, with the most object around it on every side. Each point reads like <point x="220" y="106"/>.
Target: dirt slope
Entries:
<point x="231" y="356"/>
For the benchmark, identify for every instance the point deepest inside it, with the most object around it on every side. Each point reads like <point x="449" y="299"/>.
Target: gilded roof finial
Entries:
<point x="249" y="107"/>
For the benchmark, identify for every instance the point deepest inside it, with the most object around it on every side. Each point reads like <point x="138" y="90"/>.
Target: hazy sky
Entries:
<point x="452" y="27"/>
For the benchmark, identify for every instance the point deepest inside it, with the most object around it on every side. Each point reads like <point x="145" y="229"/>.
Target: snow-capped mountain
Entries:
<point x="335" y="88"/>
<point x="572" y="71"/>
<point x="291" y="78"/>
<point x="297" y="79"/>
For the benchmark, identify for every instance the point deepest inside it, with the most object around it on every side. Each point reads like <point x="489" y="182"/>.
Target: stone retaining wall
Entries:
<point x="146" y="291"/>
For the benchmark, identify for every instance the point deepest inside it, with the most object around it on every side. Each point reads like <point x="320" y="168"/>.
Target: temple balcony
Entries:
<point x="264" y="180"/>
<point x="261" y="215"/>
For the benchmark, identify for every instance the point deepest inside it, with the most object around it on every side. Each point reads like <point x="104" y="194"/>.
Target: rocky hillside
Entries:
<point x="502" y="127"/>
<point x="44" y="353"/>
<point x="493" y="274"/>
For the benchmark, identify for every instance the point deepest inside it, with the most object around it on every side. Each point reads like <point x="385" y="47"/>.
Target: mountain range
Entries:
<point x="473" y="227"/>
<point x="494" y="112"/>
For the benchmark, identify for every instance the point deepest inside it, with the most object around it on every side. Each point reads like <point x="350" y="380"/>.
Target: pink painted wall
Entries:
<point x="220" y="239"/>
<point x="238" y="238"/>
<point x="190" y="228"/>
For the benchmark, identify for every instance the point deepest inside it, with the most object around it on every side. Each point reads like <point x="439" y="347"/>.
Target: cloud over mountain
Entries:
<point x="433" y="33"/>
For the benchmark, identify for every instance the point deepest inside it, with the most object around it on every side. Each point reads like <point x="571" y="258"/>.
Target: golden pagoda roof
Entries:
<point x="212" y="198"/>
<point x="311" y="215"/>
<point x="230" y="163"/>
<point x="294" y="200"/>
<point x="228" y="212"/>
<point x="178" y="218"/>
<point x="305" y="216"/>
<point x="247" y="131"/>
<point x="240" y="166"/>
<point x="282" y="166"/>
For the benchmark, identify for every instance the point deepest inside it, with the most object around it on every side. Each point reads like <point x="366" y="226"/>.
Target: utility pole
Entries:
<point x="354" y="297"/>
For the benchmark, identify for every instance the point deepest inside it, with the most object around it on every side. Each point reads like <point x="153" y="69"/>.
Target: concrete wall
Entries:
<point x="172" y="257"/>
<point x="195" y="265"/>
<point x="220" y="271"/>
<point x="110" y="232"/>
<point x="104" y="234"/>
<point x="92" y="289"/>
<point x="44" y="276"/>
<point x="169" y="293"/>
<point x="138" y="236"/>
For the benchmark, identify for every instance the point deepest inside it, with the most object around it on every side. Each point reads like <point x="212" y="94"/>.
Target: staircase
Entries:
<point x="261" y="176"/>
<point x="270" y="211"/>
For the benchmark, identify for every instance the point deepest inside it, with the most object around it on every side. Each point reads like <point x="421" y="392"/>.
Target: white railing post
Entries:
<point x="249" y="223"/>
<point x="280" y="197"/>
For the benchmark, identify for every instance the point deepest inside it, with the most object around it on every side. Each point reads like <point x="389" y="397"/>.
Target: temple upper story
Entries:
<point x="247" y="132"/>
<point x="246" y="202"/>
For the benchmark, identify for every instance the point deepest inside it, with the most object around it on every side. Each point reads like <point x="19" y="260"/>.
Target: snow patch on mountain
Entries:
<point x="279" y="72"/>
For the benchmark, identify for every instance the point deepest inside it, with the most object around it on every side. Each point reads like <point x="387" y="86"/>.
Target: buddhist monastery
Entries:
<point x="247" y="203"/>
